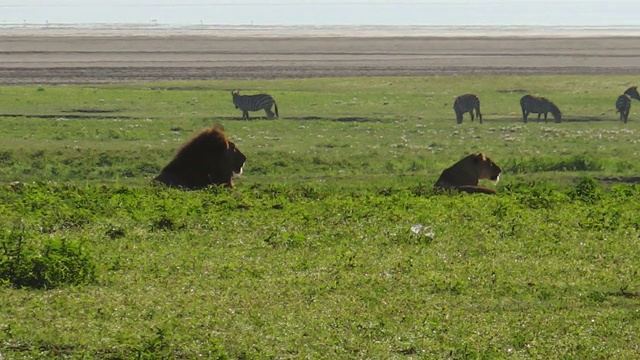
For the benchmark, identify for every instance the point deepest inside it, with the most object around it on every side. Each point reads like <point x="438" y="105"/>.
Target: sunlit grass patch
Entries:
<point x="333" y="244"/>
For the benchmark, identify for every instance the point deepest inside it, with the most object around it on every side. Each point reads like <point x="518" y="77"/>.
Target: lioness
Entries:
<point x="464" y="174"/>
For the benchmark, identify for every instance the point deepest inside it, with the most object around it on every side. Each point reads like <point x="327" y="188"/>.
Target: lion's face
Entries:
<point x="487" y="169"/>
<point x="236" y="158"/>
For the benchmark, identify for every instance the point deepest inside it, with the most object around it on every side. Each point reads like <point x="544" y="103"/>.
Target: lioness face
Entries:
<point x="236" y="158"/>
<point x="487" y="169"/>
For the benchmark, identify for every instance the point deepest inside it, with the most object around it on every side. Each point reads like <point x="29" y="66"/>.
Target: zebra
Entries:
<point x="258" y="102"/>
<point x="467" y="103"/>
<point x="539" y="105"/>
<point x="623" y="105"/>
<point x="633" y="92"/>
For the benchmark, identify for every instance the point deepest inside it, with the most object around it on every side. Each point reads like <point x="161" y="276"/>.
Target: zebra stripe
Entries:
<point x="539" y="105"/>
<point x="467" y="103"/>
<point x="623" y="105"/>
<point x="633" y="92"/>
<point x="257" y="102"/>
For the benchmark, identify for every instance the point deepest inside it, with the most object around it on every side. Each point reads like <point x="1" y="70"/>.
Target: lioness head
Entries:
<point x="486" y="168"/>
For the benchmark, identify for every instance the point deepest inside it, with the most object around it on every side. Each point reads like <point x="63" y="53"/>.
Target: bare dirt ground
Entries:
<point x="45" y="58"/>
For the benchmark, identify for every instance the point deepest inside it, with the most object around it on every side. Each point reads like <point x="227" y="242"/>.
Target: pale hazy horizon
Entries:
<point x="568" y="13"/>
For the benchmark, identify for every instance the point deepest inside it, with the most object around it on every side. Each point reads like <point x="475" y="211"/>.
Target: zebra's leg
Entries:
<point x="458" y="117"/>
<point x="472" y="117"/>
<point x="270" y="113"/>
<point x="524" y="115"/>
<point x="245" y="114"/>
<point x="479" y="114"/>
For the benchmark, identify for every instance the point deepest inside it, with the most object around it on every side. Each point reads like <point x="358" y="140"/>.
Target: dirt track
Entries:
<point x="29" y="59"/>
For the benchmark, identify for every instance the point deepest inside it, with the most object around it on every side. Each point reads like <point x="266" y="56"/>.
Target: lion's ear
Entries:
<point x="479" y="157"/>
<point x="219" y="127"/>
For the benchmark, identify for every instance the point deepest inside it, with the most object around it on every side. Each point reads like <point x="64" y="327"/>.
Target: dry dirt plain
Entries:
<point x="70" y="58"/>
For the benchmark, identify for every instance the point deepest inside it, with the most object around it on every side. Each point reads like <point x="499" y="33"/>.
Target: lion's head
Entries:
<point x="465" y="174"/>
<point x="235" y="158"/>
<point x="208" y="158"/>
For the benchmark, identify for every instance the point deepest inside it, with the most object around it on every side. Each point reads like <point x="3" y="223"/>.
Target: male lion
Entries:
<point x="209" y="158"/>
<point x="464" y="174"/>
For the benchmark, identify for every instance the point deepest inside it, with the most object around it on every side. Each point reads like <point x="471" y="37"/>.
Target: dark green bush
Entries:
<point x="161" y="345"/>
<point x="49" y="264"/>
<point x="541" y="164"/>
<point x="586" y="189"/>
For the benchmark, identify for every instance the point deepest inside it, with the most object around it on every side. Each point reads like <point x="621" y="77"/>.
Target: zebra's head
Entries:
<point x="633" y="92"/>
<point x="555" y="111"/>
<point x="235" y="95"/>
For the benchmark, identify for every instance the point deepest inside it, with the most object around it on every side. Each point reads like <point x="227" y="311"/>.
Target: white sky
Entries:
<point x="328" y="12"/>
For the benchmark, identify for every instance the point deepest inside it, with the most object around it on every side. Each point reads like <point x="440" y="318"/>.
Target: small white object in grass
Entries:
<point x="423" y="230"/>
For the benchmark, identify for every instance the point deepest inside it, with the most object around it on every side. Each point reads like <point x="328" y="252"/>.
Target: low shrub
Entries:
<point x="51" y="263"/>
<point x="540" y="164"/>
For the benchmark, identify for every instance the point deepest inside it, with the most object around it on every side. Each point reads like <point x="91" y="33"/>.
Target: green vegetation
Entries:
<point x="333" y="244"/>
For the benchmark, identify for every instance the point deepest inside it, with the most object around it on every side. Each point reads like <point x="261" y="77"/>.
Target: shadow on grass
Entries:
<point x="71" y="116"/>
<point x="359" y="119"/>
<point x="512" y="91"/>
<point x="184" y="88"/>
<point x="589" y="119"/>
<point x="619" y="179"/>
<point x="302" y="118"/>
<point x="239" y="118"/>
<point x="341" y="119"/>
<point x="550" y="121"/>
<point x="92" y="111"/>
<point x="485" y="121"/>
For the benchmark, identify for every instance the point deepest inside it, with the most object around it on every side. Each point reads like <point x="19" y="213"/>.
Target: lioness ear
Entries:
<point x="478" y="157"/>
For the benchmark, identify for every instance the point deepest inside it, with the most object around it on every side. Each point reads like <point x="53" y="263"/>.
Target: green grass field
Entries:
<point x="333" y="244"/>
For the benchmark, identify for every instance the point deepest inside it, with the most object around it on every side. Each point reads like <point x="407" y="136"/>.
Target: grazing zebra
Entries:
<point x="258" y="102"/>
<point x="623" y="104"/>
<point x="539" y="105"/>
<point x="467" y="103"/>
<point x="633" y="92"/>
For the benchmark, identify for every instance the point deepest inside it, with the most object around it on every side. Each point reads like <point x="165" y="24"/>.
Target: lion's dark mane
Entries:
<point x="200" y="162"/>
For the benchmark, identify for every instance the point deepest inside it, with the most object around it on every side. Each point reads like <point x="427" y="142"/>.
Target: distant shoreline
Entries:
<point x="370" y="31"/>
<point x="113" y="55"/>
